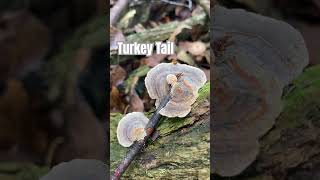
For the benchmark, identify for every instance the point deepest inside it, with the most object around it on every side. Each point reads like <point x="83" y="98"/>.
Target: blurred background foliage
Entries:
<point x="53" y="84"/>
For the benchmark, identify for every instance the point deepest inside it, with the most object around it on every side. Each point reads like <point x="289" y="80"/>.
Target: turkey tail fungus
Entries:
<point x="184" y="88"/>
<point x="255" y="58"/>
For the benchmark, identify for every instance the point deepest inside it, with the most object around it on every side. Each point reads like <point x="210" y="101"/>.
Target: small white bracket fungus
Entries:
<point x="185" y="85"/>
<point x="131" y="128"/>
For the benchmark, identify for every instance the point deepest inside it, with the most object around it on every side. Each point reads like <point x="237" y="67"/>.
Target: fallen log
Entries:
<point x="256" y="58"/>
<point x="180" y="151"/>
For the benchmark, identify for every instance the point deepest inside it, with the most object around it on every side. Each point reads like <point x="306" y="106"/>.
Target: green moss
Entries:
<point x="305" y="85"/>
<point x="137" y="73"/>
<point x="168" y="125"/>
<point x="179" y="154"/>
<point x="300" y="101"/>
<point x="21" y="171"/>
<point x="204" y="93"/>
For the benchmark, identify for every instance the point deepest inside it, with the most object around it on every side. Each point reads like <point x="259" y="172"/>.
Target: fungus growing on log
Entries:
<point x="255" y="58"/>
<point x="131" y="128"/>
<point x="185" y="81"/>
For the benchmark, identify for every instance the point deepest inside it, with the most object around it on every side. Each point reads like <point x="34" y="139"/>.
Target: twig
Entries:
<point x="205" y="4"/>
<point x="179" y="4"/>
<point x="139" y="145"/>
<point x="164" y="31"/>
<point x="116" y="11"/>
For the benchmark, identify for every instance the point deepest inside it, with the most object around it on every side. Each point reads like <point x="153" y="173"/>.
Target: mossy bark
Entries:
<point x="291" y="149"/>
<point x="21" y="171"/>
<point x="181" y="151"/>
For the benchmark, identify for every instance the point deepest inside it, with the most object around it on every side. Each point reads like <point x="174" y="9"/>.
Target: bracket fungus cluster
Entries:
<point x="255" y="58"/>
<point x="184" y="80"/>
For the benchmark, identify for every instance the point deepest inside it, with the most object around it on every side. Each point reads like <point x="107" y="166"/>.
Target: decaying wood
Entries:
<point x="254" y="63"/>
<point x="138" y="146"/>
<point x="180" y="151"/>
<point x="291" y="150"/>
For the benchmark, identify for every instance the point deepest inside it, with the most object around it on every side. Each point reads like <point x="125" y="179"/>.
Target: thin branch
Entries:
<point x="163" y="32"/>
<point x="117" y="10"/>
<point x="179" y="4"/>
<point x="205" y="4"/>
<point x="139" y="145"/>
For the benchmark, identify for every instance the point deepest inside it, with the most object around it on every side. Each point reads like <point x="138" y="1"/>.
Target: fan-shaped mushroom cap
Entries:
<point x="78" y="169"/>
<point x="250" y="72"/>
<point x="131" y="128"/>
<point x="184" y="92"/>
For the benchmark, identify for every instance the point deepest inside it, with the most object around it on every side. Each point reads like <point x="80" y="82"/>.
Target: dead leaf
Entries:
<point x="184" y="57"/>
<point x="207" y="72"/>
<point x="154" y="60"/>
<point x="197" y="48"/>
<point x="139" y="28"/>
<point x="207" y="56"/>
<point x="24" y="41"/>
<point x="177" y="31"/>
<point x="182" y="12"/>
<point x="136" y="104"/>
<point x="127" y="18"/>
<point x="13" y="104"/>
<point x="117" y="74"/>
<point x="173" y="57"/>
<point x="116" y="36"/>
<point x="116" y="102"/>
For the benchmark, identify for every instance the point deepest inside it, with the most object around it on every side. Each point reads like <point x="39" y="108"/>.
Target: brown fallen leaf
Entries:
<point x="116" y="36"/>
<point x="207" y="72"/>
<point x="13" y="105"/>
<point x="136" y="103"/>
<point x="117" y="74"/>
<point x="207" y="56"/>
<point x="24" y="41"/>
<point x="139" y="28"/>
<point x="185" y="57"/>
<point x="182" y="12"/>
<point x="177" y="31"/>
<point x="116" y="103"/>
<point x="154" y="60"/>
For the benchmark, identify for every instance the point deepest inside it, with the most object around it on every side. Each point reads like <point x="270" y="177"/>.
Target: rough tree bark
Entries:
<point x="291" y="150"/>
<point x="180" y="151"/>
<point x="265" y="126"/>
